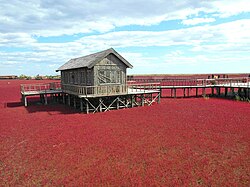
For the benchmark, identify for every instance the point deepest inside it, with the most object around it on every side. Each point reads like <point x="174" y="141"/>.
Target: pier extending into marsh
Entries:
<point x="107" y="97"/>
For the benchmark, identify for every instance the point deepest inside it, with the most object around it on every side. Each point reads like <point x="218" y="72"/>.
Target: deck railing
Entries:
<point x="94" y="90"/>
<point x="40" y="87"/>
<point x="107" y="90"/>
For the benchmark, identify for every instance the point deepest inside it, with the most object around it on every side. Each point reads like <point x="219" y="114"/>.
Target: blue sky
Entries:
<point x="155" y="36"/>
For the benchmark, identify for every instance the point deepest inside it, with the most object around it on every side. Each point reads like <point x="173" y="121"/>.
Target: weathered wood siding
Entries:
<point x="81" y="76"/>
<point x="110" y="70"/>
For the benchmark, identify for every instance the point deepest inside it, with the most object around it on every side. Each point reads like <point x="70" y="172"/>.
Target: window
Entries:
<point x="82" y="77"/>
<point x="75" y="77"/>
<point x="71" y="77"/>
<point x="109" y="76"/>
<point x="89" y="77"/>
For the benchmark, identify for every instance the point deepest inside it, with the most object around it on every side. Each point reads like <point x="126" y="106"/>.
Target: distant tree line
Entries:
<point x="40" y="77"/>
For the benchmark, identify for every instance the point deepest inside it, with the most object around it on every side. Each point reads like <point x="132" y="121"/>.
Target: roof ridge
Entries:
<point x="91" y="59"/>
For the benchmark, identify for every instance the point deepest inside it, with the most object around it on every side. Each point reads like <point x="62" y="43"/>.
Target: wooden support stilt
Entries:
<point x="212" y="91"/>
<point x="127" y="101"/>
<point x="81" y="104"/>
<point x="117" y="103"/>
<point x="63" y="98"/>
<point x="87" y="106"/>
<point x="184" y="92"/>
<point x="25" y="101"/>
<point x="41" y="98"/>
<point x="188" y="92"/>
<point x="142" y="99"/>
<point x="171" y="92"/>
<point x="159" y="99"/>
<point x="46" y="99"/>
<point x="245" y="92"/>
<point x="226" y="90"/>
<point x="68" y="99"/>
<point x="132" y="101"/>
<point x="100" y="103"/>
<point x="74" y="99"/>
<point x="204" y="92"/>
<point x="196" y="92"/>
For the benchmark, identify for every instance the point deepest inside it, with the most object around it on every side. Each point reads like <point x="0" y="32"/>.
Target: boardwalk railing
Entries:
<point x="133" y="86"/>
<point x="142" y="87"/>
<point x="197" y="82"/>
<point x="40" y="87"/>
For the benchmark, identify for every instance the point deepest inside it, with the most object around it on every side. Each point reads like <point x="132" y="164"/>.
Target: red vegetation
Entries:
<point x="180" y="142"/>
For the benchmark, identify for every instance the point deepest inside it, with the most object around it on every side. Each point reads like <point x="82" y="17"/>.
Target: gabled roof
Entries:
<point x="91" y="60"/>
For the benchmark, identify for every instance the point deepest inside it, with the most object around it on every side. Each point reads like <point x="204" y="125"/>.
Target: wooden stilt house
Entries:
<point x="96" y="83"/>
<point x="99" y="73"/>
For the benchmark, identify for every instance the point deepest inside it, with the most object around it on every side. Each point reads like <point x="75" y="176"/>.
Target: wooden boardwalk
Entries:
<point x="106" y="97"/>
<point x="201" y="87"/>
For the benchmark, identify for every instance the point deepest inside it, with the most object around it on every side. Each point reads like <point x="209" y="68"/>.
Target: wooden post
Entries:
<point x="188" y="92"/>
<point x="87" y="106"/>
<point x="46" y="99"/>
<point x="100" y="104"/>
<point x="174" y="92"/>
<point x="212" y="90"/>
<point x="69" y="100"/>
<point x="74" y="101"/>
<point x="159" y="99"/>
<point x="226" y="90"/>
<point x="41" y="98"/>
<point x="132" y="101"/>
<point x="245" y="92"/>
<point x="196" y="92"/>
<point x="25" y="101"/>
<point x="117" y="103"/>
<point x="127" y="102"/>
<point x="184" y="92"/>
<point x="204" y="92"/>
<point x="171" y="92"/>
<point x="63" y="97"/>
<point x="81" y="104"/>
<point x="142" y="99"/>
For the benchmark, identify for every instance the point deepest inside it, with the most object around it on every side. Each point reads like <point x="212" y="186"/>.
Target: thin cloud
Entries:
<point x="196" y="21"/>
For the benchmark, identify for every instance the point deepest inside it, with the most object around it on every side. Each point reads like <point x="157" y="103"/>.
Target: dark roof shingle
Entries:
<point x="91" y="60"/>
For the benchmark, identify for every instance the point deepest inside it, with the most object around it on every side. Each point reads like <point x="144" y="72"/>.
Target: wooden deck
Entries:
<point x="65" y="91"/>
<point x="141" y="90"/>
